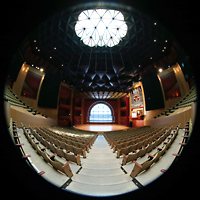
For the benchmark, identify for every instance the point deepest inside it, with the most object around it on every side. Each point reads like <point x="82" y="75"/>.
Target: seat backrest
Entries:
<point x="69" y="147"/>
<point x="132" y="157"/>
<point x="70" y="157"/>
<point x="60" y="152"/>
<point x="142" y="152"/>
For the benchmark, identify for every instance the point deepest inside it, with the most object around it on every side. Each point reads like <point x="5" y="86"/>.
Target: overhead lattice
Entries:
<point x="102" y="27"/>
<point x="56" y="47"/>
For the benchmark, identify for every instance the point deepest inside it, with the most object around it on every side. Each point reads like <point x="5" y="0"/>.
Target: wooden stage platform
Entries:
<point x="101" y="127"/>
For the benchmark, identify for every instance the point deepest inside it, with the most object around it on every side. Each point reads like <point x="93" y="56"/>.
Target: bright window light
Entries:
<point x="101" y="27"/>
<point x="100" y="113"/>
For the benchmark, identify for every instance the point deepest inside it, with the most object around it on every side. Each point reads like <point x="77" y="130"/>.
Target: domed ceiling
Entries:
<point x="98" y="71"/>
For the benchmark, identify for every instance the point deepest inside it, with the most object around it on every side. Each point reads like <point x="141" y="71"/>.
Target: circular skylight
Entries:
<point x="101" y="27"/>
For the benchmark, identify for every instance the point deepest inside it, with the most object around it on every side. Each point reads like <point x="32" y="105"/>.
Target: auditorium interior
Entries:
<point x="100" y="100"/>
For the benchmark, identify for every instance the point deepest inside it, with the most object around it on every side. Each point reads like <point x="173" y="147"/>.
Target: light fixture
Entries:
<point x="54" y="48"/>
<point x="50" y="57"/>
<point x="154" y="40"/>
<point x="160" y="70"/>
<point x="101" y="27"/>
<point x="151" y="58"/>
<point x="41" y="69"/>
<point x="155" y="23"/>
<point x="34" y="41"/>
<point x="165" y="40"/>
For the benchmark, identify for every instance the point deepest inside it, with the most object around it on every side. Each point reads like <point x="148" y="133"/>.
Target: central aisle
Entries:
<point x="101" y="173"/>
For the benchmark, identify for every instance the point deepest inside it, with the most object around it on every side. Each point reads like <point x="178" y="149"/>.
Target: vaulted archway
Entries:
<point x="101" y="113"/>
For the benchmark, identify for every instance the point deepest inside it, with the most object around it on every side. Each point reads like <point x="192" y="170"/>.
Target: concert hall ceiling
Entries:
<point x="99" y="72"/>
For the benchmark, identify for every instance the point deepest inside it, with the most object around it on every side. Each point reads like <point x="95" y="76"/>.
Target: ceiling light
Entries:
<point x="154" y="40"/>
<point x="101" y="27"/>
<point x="165" y="47"/>
<point x="155" y="23"/>
<point x="34" y="40"/>
<point x="165" y="40"/>
<point x="41" y="69"/>
<point x="163" y="50"/>
<point x="50" y="57"/>
<point x="151" y="58"/>
<point x="54" y="48"/>
<point x="160" y="70"/>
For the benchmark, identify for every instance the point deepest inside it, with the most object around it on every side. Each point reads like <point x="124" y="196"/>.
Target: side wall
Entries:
<point x="18" y="85"/>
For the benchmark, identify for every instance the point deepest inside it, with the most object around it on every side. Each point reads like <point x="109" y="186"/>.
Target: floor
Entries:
<point x="101" y="127"/>
<point x="101" y="173"/>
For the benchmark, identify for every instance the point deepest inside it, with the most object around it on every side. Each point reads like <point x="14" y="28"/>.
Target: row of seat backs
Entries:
<point x="142" y="141"/>
<point x="66" y="155"/>
<point x="139" y="131"/>
<point x="147" y="143"/>
<point x="52" y="147"/>
<point x="133" y="156"/>
<point x="64" y="168"/>
<point x="136" y="138"/>
<point x="78" y="137"/>
<point x="184" y="102"/>
<point x="11" y="97"/>
<point x="63" y="138"/>
<point x="138" y="168"/>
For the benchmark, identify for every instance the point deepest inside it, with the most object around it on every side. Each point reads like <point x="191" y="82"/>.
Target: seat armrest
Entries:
<point x="41" y="173"/>
<point x="183" y="144"/>
<point x="124" y="155"/>
<point x="137" y="164"/>
<point x="19" y="144"/>
<point x="52" y="156"/>
<point x="26" y="156"/>
<point x="150" y="155"/>
<point x="66" y="164"/>
<point x="175" y="154"/>
<point x="78" y="155"/>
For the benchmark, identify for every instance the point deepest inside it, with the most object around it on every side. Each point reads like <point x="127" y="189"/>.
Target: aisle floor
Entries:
<point x="101" y="173"/>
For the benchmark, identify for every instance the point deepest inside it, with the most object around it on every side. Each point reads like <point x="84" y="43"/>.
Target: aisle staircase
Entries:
<point x="101" y="173"/>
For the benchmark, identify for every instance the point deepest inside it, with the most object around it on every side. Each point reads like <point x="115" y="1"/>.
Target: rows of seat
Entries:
<point x="14" y="100"/>
<point x="135" y="138"/>
<point x="73" y="145"/>
<point x="69" y="152"/>
<point x="49" y="158"/>
<point x="186" y="101"/>
<point x="162" y="139"/>
<point x="141" y="167"/>
<point x="146" y="145"/>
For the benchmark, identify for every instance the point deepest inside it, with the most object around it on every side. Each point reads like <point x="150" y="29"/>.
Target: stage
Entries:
<point x="101" y="127"/>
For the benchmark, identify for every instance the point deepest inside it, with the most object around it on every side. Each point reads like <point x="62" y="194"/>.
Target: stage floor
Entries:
<point x="101" y="127"/>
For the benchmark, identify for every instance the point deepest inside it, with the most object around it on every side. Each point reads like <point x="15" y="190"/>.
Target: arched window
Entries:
<point x="100" y="112"/>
